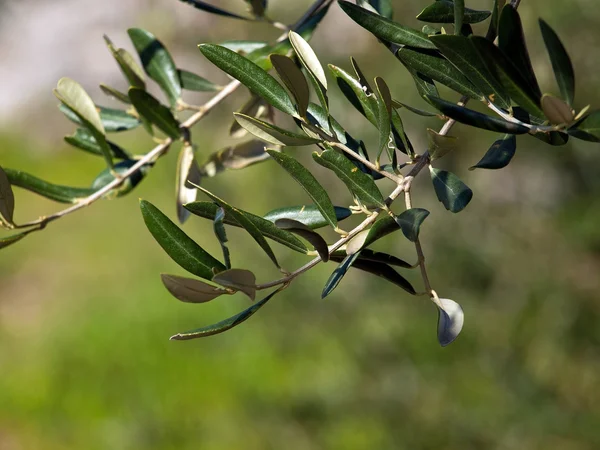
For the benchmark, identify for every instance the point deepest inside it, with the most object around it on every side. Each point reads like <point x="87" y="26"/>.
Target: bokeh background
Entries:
<point x="85" y="360"/>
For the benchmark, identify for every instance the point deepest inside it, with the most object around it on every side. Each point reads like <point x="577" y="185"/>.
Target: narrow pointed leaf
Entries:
<point x="338" y="274"/>
<point x="204" y="6"/>
<point x="311" y="63"/>
<point x="424" y="84"/>
<point x="495" y="20"/>
<point x="450" y="321"/>
<point x="178" y="245"/>
<point x="359" y="183"/>
<point x="234" y="158"/>
<point x="187" y="169"/>
<point x="84" y="140"/>
<point x="309" y="183"/>
<point x="113" y="120"/>
<point x="267" y="228"/>
<point x="443" y="12"/>
<point x="459" y="16"/>
<point x="561" y="63"/>
<point x="308" y="215"/>
<point x="414" y="110"/>
<point x="192" y="82"/>
<point x="384" y="113"/>
<point x="239" y="279"/>
<point x="303" y="231"/>
<point x="157" y="62"/>
<point x="108" y="176"/>
<point x="157" y="114"/>
<point x="221" y="235"/>
<point x="7" y="199"/>
<point x="353" y="91"/>
<point x="132" y="71"/>
<point x="271" y="133"/>
<point x="384" y="271"/>
<point x="499" y="155"/>
<point x="369" y="255"/>
<point x="380" y="229"/>
<point x="588" y="128"/>
<point x="450" y="190"/>
<point x="9" y="240"/>
<point x="386" y="29"/>
<point x="461" y="52"/>
<point x="244" y="47"/>
<point x="114" y="93"/>
<point x="190" y="290"/>
<point x="58" y="193"/>
<point x="555" y="138"/>
<point x="440" y="145"/>
<point x="240" y="217"/>
<point x="224" y="325"/>
<point x="476" y="119"/>
<point x="410" y="222"/>
<point x="258" y="7"/>
<point x="294" y="80"/>
<point x="255" y="107"/>
<point x="432" y="65"/>
<point x="250" y="75"/>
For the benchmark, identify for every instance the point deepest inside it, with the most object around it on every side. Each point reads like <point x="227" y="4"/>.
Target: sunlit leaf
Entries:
<point x="386" y="29"/>
<point x="243" y="46"/>
<point x="313" y="67"/>
<point x="294" y="80"/>
<point x="440" y="145"/>
<point x="187" y="169"/>
<point x="450" y="190"/>
<point x="450" y="321"/>
<point x="192" y="82"/>
<point x="254" y="107"/>
<point x="157" y="62"/>
<point x="303" y="231"/>
<point x="190" y="290"/>
<point x="499" y="155"/>
<point x="61" y="194"/>
<point x="354" y="92"/>
<point x="308" y="215"/>
<point x="250" y="75"/>
<point x="113" y="120"/>
<point x="410" y="222"/>
<point x="443" y="12"/>
<point x="84" y="140"/>
<point x="107" y="176"/>
<point x="178" y="245"/>
<point x="132" y="71"/>
<point x="204" y="6"/>
<point x="271" y="133"/>
<point x="309" y="183"/>
<point x="7" y="199"/>
<point x="338" y="274"/>
<point x="239" y="279"/>
<point x="156" y="113"/>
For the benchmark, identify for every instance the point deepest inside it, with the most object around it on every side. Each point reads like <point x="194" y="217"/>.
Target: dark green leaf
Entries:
<point x="224" y="325"/>
<point x="494" y="21"/>
<point x="239" y="279"/>
<point x="450" y="321"/>
<point x="476" y="119"/>
<point x="338" y="274"/>
<point x="117" y="95"/>
<point x="308" y="215"/>
<point x="219" y="229"/>
<point x="9" y="240"/>
<point x="440" y="145"/>
<point x="424" y="84"/>
<point x="380" y="229"/>
<point x="383" y="7"/>
<point x="106" y="176"/>
<point x="7" y="199"/>
<point x="499" y="154"/>
<point x="271" y="133"/>
<point x="432" y="65"/>
<point x="561" y="63"/>
<point x="294" y="80"/>
<point x="359" y="183"/>
<point x="555" y="138"/>
<point x="62" y="194"/>
<point x="311" y="236"/>
<point x="450" y="190"/>
<point x="258" y="7"/>
<point x="208" y="210"/>
<point x="443" y="12"/>
<point x="369" y="255"/>
<point x="190" y="290"/>
<point x="233" y="158"/>
<point x="203" y="6"/>
<point x="386" y="29"/>
<point x="178" y="245"/>
<point x="384" y="271"/>
<point x="157" y="62"/>
<point x="84" y="139"/>
<point x="511" y="41"/>
<point x="250" y="75"/>
<point x="132" y="71"/>
<point x="587" y="128"/>
<point x="192" y="82"/>
<point x="113" y="120"/>
<point x="309" y="183"/>
<point x="459" y="16"/>
<point x="414" y="110"/>
<point x="410" y="222"/>
<point x="157" y="114"/>
<point x="384" y="113"/>
<point x="461" y="52"/>
<point x="353" y="91"/>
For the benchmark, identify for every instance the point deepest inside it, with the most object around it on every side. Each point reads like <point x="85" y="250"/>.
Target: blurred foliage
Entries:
<point x="84" y="319"/>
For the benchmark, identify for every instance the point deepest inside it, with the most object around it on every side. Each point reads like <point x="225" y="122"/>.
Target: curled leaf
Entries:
<point x="190" y="290"/>
<point x="499" y="154"/>
<point x="450" y="321"/>
<point x="239" y="279"/>
<point x="303" y="231"/>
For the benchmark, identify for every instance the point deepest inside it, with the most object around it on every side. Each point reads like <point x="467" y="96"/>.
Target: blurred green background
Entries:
<point x="84" y="319"/>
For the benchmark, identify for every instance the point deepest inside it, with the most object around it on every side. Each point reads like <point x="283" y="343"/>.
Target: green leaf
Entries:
<point x="459" y="16"/>
<point x="7" y="199"/>
<point x="255" y="107"/>
<point x="384" y="113"/>
<point x="561" y="63"/>
<point x="192" y="82"/>
<point x="224" y="325"/>
<point x="239" y="279"/>
<point x="511" y="41"/>
<point x="417" y="111"/>
<point x="258" y="7"/>
<point x="309" y="183"/>
<point x="303" y="231"/>
<point x="443" y="12"/>
<point x="178" y="245"/>
<point x="511" y="79"/>
<point x="132" y="71"/>
<point x="107" y="176"/>
<point x="461" y="52"/>
<point x="219" y="229"/>
<point x="450" y="190"/>
<point x="234" y="158"/>
<point x="74" y="97"/>
<point x="440" y="145"/>
<point x="369" y="255"/>
<point x="190" y="290"/>
<point x="432" y="65"/>
<point x="208" y="210"/>
<point x="9" y="240"/>
<point x="384" y="271"/>
<point x="587" y="128"/>
<point x="271" y="133"/>
<point x="499" y="155"/>
<point x="313" y="67"/>
<point x="250" y="75"/>
<point x="555" y="138"/>
<point x="113" y="120"/>
<point x="294" y="80"/>
<point x="359" y="183"/>
<point x="157" y="114"/>
<point x="61" y="194"/>
<point x="203" y="6"/>
<point x="386" y="29"/>
<point x="338" y="274"/>
<point x="450" y="321"/>
<point x="117" y="95"/>
<point x="244" y="47"/>
<point x="380" y="229"/>
<point x="353" y="91"/>
<point x="494" y="21"/>
<point x="424" y="84"/>
<point x="187" y="169"/>
<point x="157" y="62"/>
<point x="382" y="7"/>
<point x="240" y="217"/>
<point x="410" y="222"/>
<point x="84" y="140"/>
<point x="308" y="215"/>
<point x="476" y="119"/>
